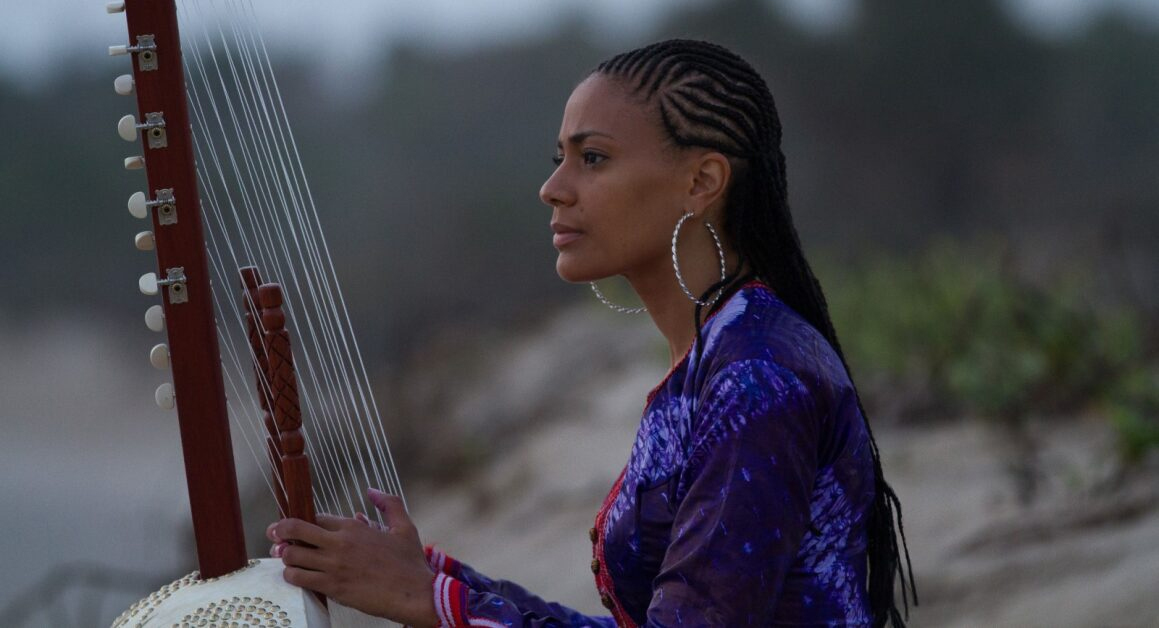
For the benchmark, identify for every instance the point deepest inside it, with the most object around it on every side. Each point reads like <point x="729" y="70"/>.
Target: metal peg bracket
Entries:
<point x="166" y="206"/>
<point x="155" y="129"/>
<point x="146" y="50"/>
<point x="175" y="282"/>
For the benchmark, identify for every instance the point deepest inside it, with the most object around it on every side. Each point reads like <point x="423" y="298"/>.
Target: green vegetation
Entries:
<point x="962" y="331"/>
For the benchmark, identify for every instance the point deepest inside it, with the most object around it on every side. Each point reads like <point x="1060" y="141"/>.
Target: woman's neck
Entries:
<point x="672" y="312"/>
<point x="670" y="308"/>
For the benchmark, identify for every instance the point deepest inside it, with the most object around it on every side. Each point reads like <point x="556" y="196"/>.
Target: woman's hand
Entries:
<point x="381" y="572"/>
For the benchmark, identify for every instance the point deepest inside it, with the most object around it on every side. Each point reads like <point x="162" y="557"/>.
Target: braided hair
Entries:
<point x="709" y="97"/>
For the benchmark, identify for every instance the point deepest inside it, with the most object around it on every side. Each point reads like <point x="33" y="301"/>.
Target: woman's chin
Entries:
<point x="573" y="273"/>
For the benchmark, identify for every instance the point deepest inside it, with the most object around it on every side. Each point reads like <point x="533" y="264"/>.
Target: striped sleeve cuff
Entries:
<point x="450" y="601"/>
<point x="440" y="562"/>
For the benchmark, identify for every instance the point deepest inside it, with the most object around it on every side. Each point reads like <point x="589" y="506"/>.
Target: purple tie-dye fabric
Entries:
<point x="747" y="491"/>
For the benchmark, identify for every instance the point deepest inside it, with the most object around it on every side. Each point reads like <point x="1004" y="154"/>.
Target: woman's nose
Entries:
<point x="555" y="192"/>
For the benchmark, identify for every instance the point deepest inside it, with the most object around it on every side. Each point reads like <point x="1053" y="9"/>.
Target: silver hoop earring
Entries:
<point x="618" y="308"/>
<point x="676" y="262"/>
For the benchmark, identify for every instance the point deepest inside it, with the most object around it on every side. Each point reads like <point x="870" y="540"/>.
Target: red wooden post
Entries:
<point x="283" y="384"/>
<point x="278" y="390"/>
<point x="195" y="358"/>
<point x="251" y="279"/>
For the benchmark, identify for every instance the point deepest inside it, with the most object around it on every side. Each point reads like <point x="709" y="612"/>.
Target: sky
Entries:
<point x="38" y="37"/>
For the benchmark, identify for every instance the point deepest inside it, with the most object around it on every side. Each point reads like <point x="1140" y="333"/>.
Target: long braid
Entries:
<point x="709" y="97"/>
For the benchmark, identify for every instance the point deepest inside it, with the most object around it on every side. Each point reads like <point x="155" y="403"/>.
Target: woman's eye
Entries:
<point x="589" y="158"/>
<point x="592" y="159"/>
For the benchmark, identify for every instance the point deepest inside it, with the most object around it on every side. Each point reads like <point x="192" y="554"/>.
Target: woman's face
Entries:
<point x="618" y="189"/>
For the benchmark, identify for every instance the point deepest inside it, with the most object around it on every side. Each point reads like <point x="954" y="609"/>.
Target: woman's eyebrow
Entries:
<point x="579" y="136"/>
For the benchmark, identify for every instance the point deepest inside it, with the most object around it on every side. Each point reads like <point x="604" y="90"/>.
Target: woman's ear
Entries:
<point x="710" y="178"/>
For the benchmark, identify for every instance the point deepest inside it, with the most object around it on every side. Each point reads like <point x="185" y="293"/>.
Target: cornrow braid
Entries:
<point x="709" y="97"/>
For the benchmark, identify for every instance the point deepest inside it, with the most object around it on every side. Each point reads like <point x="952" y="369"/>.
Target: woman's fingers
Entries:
<point x="307" y="558"/>
<point x="390" y="506"/>
<point x="365" y="520"/>
<point x="271" y="534"/>
<point x="332" y="524"/>
<point x="306" y="579"/>
<point x="298" y="530"/>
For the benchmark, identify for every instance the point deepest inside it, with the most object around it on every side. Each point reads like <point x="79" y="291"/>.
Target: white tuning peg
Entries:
<point x="148" y="284"/>
<point x="135" y="162"/>
<point x="123" y="84"/>
<point x="115" y="7"/>
<point x="127" y="128"/>
<point x="159" y="357"/>
<point x="165" y="396"/>
<point x="144" y="241"/>
<point x="116" y="51"/>
<point x="138" y="205"/>
<point x="155" y="318"/>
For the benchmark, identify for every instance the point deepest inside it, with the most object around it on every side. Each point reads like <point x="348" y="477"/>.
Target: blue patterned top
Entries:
<point x="744" y="501"/>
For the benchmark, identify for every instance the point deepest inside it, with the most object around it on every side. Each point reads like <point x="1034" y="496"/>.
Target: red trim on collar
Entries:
<point x="604" y="584"/>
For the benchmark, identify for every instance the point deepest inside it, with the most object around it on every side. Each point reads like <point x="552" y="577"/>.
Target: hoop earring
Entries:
<point x="618" y="308"/>
<point x="676" y="262"/>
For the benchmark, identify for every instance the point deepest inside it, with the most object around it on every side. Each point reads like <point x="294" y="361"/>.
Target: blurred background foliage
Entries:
<point x="959" y="331"/>
<point x="982" y="200"/>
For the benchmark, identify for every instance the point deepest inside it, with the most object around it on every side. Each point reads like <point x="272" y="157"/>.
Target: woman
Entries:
<point x="753" y="494"/>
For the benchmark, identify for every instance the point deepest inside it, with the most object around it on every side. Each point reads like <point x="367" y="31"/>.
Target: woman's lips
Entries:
<point x="564" y="235"/>
<point x="563" y="239"/>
